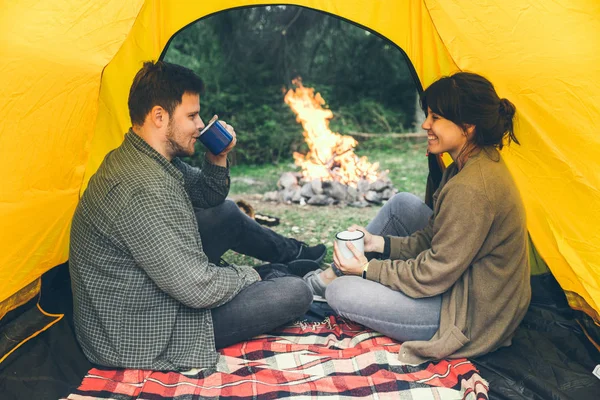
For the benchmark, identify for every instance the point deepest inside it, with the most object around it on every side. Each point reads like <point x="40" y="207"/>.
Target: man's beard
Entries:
<point x="176" y="149"/>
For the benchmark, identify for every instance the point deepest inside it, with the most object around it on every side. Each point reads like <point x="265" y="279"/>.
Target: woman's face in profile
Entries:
<point x="443" y="135"/>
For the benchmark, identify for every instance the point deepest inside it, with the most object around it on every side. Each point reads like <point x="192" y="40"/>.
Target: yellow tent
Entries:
<point x="66" y="67"/>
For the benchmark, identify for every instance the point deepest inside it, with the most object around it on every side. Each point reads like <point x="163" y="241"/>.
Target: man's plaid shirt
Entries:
<point x="142" y="286"/>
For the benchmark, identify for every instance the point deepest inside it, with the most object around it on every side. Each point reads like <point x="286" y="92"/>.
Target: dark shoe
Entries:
<point x="302" y="267"/>
<point x="315" y="253"/>
<point x="270" y="271"/>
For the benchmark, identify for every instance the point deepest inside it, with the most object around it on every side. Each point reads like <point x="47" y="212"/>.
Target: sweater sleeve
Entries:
<point x="404" y="248"/>
<point x="460" y="226"/>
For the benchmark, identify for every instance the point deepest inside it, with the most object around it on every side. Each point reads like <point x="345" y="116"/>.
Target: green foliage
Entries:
<point x="248" y="57"/>
<point x="368" y="115"/>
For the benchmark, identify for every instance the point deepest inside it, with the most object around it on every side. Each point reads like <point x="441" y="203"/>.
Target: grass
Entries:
<point x="405" y="160"/>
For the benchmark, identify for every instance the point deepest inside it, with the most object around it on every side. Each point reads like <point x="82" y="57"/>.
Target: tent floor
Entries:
<point x="550" y="356"/>
<point x="52" y="364"/>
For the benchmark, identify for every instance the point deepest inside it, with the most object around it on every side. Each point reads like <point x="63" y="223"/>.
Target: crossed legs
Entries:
<point x="259" y="308"/>
<point x="266" y="304"/>
<point x="374" y="305"/>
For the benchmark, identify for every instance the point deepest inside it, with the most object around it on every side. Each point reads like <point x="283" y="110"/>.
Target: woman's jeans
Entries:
<point x="376" y="306"/>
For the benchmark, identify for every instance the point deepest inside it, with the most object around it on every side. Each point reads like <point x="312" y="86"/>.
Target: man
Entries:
<point x="148" y="232"/>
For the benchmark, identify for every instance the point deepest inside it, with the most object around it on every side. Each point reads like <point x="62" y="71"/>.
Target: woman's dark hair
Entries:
<point x="470" y="99"/>
<point x="160" y="84"/>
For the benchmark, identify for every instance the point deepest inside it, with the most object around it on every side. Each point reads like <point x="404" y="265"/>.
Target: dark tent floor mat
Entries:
<point x="50" y="365"/>
<point x="550" y="357"/>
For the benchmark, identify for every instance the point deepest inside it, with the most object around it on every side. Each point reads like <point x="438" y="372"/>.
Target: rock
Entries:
<point x="271" y="196"/>
<point x="388" y="193"/>
<point x="286" y="195"/>
<point x="320" y="200"/>
<point x="316" y="185"/>
<point x="286" y="180"/>
<point x="307" y="191"/>
<point x="363" y="186"/>
<point x="373" y="197"/>
<point x="326" y="186"/>
<point x="352" y="194"/>
<point x="297" y="196"/>
<point x="378" y="185"/>
<point x="339" y="191"/>
<point x="294" y="189"/>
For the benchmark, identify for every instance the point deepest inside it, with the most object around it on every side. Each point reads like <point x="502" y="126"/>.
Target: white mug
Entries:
<point x="357" y="238"/>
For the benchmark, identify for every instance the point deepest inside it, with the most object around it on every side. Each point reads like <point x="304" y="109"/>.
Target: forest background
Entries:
<point x="248" y="58"/>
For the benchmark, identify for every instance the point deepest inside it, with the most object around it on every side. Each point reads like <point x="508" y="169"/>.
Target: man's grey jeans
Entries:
<point x="374" y="305"/>
<point x="261" y="306"/>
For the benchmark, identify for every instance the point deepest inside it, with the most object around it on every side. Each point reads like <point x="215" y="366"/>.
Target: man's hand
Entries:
<point x="221" y="159"/>
<point x="373" y="243"/>
<point x="349" y="266"/>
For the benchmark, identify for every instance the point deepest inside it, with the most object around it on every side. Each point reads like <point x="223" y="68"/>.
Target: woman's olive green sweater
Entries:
<point x="474" y="253"/>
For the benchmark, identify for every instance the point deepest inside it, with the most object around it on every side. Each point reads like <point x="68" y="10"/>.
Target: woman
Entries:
<point x="453" y="281"/>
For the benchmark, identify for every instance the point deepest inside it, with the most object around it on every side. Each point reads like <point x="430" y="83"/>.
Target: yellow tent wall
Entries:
<point x="66" y="70"/>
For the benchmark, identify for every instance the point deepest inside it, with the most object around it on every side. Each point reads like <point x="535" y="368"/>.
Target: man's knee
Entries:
<point x="225" y="212"/>
<point x="228" y="207"/>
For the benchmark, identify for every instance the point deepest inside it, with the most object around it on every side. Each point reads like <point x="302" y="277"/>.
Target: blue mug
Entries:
<point x="215" y="137"/>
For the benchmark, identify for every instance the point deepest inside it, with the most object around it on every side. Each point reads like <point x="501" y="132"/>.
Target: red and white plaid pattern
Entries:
<point x="334" y="359"/>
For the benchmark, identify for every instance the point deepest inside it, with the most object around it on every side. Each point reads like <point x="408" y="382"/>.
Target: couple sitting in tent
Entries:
<point x="151" y="292"/>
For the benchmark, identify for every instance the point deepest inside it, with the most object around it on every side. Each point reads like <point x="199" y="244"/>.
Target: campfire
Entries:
<point x="330" y="172"/>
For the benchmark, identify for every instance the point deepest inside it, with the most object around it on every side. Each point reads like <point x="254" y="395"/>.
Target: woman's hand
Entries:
<point x="349" y="266"/>
<point x="373" y="243"/>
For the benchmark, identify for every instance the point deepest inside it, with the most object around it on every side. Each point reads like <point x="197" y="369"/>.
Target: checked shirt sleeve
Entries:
<point x="207" y="187"/>
<point x="158" y="229"/>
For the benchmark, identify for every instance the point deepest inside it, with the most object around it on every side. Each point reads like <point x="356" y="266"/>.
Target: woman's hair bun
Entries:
<point x="507" y="109"/>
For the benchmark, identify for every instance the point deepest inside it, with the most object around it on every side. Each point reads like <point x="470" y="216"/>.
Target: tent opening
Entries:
<point x="248" y="58"/>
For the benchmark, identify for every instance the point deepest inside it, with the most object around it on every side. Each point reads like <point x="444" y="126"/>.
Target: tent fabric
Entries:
<point x="51" y="61"/>
<point x="544" y="56"/>
<point x="66" y="68"/>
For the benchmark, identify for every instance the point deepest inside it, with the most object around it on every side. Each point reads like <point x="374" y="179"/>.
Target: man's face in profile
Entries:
<point x="184" y="126"/>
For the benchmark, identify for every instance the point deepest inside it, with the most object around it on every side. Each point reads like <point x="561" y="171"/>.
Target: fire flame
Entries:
<point x="330" y="155"/>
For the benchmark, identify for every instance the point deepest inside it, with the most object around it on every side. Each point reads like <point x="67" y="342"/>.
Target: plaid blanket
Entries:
<point x="334" y="358"/>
